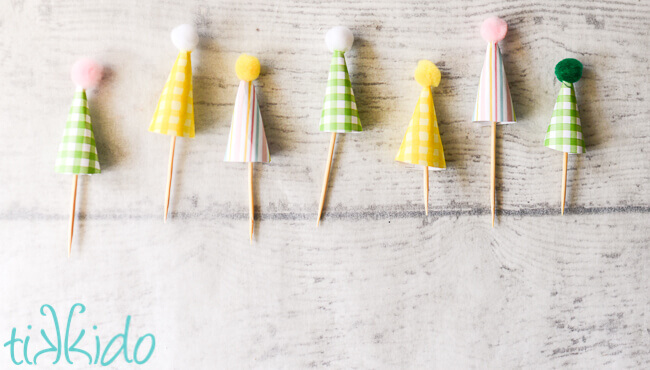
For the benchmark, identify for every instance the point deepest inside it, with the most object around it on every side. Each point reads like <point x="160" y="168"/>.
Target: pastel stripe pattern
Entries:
<point x="77" y="151"/>
<point x="493" y="102"/>
<point x="174" y="114"/>
<point x="340" y="108"/>
<point x="422" y="144"/>
<point x="564" y="133"/>
<point x="247" y="139"/>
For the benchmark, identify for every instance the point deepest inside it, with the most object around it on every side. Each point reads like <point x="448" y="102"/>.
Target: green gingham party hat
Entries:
<point x="77" y="152"/>
<point x="564" y="133"/>
<point x="340" y="108"/>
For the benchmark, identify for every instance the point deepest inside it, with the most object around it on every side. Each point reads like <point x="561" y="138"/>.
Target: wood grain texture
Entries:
<point x="378" y="285"/>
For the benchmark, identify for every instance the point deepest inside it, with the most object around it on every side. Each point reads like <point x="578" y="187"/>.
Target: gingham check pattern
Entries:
<point x="564" y="133"/>
<point x="340" y="108"/>
<point x="77" y="151"/>
<point x="175" y="111"/>
<point x="421" y="144"/>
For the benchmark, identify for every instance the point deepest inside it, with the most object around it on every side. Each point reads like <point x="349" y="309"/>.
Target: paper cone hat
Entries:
<point x="421" y="144"/>
<point x="564" y="133"/>
<point x="77" y="151"/>
<point x="340" y="108"/>
<point x="247" y="140"/>
<point x="493" y="102"/>
<point x="174" y="114"/>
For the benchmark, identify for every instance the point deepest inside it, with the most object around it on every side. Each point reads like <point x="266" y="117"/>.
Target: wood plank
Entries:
<point x="539" y="292"/>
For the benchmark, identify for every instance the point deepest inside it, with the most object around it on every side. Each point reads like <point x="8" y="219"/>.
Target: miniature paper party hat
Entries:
<point x="421" y="144"/>
<point x="564" y="133"/>
<point x="77" y="151"/>
<point x="493" y="102"/>
<point x="247" y="140"/>
<point x="174" y="114"/>
<point x="340" y="108"/>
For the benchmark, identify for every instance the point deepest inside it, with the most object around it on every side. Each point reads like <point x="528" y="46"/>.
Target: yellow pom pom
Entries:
<point x="427" y="74"/>
<point x="247" y="67"/>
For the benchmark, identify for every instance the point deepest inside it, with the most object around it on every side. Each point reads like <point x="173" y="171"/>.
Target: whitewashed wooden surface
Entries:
<point x="378" y="285"/>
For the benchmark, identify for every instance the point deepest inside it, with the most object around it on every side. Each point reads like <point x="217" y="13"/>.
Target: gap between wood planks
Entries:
<point x="370" y="213"/>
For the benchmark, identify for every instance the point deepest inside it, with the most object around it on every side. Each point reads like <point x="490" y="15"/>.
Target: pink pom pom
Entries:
<point x="494" y="29"/>
<point x="86" y="73"/>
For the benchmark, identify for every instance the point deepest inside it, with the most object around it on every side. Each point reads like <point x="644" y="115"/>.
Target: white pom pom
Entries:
<point x="339" y="39"/>
<point x="185" y="37"/>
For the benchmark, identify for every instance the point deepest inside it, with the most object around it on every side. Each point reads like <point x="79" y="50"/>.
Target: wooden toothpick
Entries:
<point x="564" y="167"/>
<point x="251" y="198"/>
<point x="426" y="190"/>
<point x="169" y="175"/>
<point x="74" y="204"/>
<point x="493" y="169"/>
<point x="327" y="176"/>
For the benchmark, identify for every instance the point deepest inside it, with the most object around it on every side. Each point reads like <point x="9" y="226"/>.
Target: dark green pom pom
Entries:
<point x="568" y="70"/>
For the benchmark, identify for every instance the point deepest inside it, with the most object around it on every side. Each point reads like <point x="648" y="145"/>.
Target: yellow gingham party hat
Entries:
<point x="421" y="144"/>
<point x="174" y="114"/>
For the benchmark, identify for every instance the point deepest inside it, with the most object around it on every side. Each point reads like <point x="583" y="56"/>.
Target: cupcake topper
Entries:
<point x="493" y="102"/>
<point x="77" y="151"/>
<point x="174" y="114"/>
<point x="247" y="140"/>
<point x="564" y="133"/>
<point x="421" y="145"/>
<point x="340" y="108"/>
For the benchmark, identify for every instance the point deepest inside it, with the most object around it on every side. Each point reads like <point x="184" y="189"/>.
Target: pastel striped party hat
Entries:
<point x="247" y="139"/>
<point x="340" y="108"/>
<point x="564" y="133"/>
<point x="77" y="151"/>
<point x="421" y="144"/>
<point x="174" y="113"/>
<point x="493" y="102"/>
